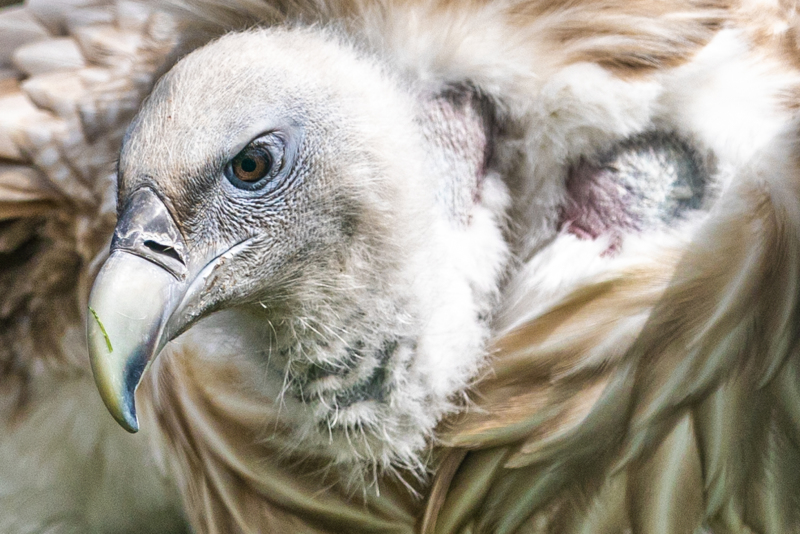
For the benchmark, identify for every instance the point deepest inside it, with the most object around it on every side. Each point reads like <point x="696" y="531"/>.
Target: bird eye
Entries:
<point x="256" y="163"/>
<point x="251" y="167"/>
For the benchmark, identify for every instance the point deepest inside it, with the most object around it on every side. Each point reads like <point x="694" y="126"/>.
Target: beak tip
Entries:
<point x="132" y="427"/>
<point x="129" y="421"/>
<point x="123" y="409"/>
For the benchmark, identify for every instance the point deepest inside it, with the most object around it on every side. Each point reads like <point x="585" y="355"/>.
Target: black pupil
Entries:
<point x="249" y="165"/>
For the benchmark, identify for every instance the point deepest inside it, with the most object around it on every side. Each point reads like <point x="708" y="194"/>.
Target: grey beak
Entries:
<point x="135" y="294"/>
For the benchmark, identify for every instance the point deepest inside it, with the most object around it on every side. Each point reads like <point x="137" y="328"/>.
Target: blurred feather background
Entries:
<point x="642" y="375"/>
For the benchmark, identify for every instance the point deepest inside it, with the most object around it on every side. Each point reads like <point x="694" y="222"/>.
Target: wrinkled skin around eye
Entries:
<point x="261" y="159"/>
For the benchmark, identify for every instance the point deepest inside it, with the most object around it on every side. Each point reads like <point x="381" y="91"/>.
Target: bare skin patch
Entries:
<point x="643" y="183"/>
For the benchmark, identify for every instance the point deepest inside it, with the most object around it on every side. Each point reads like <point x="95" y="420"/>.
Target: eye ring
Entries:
<point x="257" y="163"/>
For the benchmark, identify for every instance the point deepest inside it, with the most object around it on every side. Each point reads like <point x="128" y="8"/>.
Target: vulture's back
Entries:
<point x="606" y="228"/>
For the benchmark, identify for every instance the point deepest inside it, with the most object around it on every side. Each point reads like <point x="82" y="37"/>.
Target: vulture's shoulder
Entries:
<point x="651" y="386"/>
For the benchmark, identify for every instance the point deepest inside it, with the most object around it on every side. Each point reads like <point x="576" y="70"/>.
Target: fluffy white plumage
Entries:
<point x="638" y="372"/>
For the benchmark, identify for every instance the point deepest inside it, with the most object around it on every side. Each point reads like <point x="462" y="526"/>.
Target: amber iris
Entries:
<point x="251" y="166"/>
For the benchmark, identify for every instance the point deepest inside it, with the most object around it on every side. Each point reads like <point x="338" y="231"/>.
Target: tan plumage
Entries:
<point x="649" y="388"/>
<point x="61" y="460"/>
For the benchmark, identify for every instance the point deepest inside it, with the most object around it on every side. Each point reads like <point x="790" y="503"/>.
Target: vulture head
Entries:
<point x="348" y="217"/>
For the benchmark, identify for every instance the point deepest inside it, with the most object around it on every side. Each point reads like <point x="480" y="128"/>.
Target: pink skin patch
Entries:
<point x="647" y="182"/>
<point x="596" y="205"/>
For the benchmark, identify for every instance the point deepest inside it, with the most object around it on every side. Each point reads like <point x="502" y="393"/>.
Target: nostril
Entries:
<point x="166" y="250"/>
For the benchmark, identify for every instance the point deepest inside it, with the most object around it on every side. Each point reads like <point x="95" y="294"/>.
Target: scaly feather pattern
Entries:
<point x="71" y="76"/>
<point x="646" y="381"/>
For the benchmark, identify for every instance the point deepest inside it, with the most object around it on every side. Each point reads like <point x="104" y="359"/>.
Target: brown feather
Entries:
<point x="660" y="398"/>
<point x="665" y="492"/>
<point x="235" y="482"/>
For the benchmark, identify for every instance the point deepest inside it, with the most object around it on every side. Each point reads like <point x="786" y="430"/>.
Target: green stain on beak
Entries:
<point x="102" y="329"/>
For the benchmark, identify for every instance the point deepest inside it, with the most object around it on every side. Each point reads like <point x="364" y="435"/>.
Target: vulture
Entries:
<point x="400" y="266"/>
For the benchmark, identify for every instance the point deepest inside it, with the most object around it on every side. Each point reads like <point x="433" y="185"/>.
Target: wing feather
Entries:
<point x="696" y="406"/>
<point x="660" y="397"/>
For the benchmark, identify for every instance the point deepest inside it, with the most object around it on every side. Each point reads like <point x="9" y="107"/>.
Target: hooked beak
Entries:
<point x="135" y="303"/>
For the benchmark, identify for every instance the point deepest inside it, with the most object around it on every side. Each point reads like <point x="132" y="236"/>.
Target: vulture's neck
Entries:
<point x="364" y="365"/>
